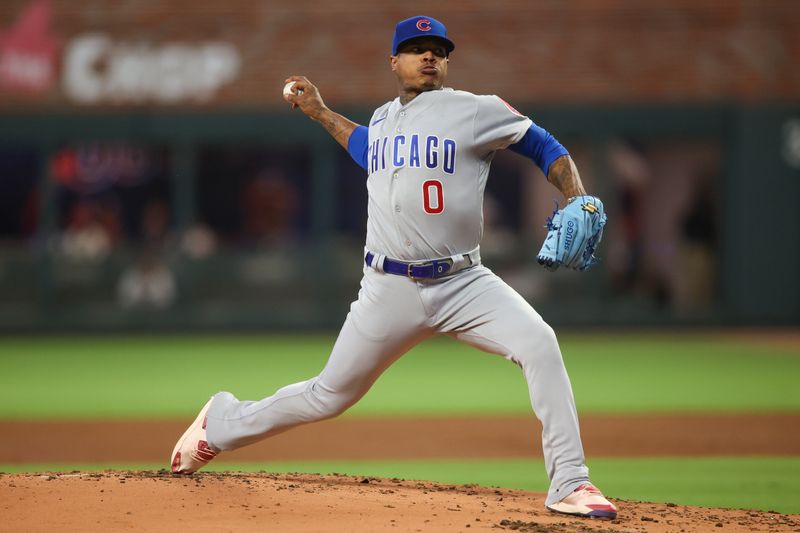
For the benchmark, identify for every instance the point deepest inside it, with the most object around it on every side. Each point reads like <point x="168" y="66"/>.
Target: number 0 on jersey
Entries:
<point x="433" y="197"/>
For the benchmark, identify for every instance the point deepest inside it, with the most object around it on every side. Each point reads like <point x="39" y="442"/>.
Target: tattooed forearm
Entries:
<point x="564" y="175"/>
<point x="308" y="99"/>
<point x="338" y="126"/>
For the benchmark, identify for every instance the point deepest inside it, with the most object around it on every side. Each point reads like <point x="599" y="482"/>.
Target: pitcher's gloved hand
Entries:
<point x="573" y="234"/>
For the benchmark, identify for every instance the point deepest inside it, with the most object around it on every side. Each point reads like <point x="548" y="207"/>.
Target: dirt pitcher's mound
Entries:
<point x="159" y="501"/>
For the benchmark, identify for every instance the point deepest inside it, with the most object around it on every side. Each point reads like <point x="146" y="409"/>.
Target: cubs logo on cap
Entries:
<point x="420" y="26"/>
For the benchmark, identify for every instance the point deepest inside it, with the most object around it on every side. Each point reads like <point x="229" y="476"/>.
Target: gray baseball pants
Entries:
<point x="391" y="315"/>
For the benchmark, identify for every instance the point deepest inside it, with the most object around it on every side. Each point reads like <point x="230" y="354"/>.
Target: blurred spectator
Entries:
<point x="155" y="225"/>
<point x="124" y="176"/>
<point x="631" y="173"/>
<point x="147" y="284"/>
<point x="498" y="236"/>
<point x="269" y="208"/>
<point x="91" y="232"/>
<point x="199" y="241"/>
<point x="694" y="290"/>
<point x="254" y="195"/>
<point x="664" y="241"/>
<point x="503" y="205"/>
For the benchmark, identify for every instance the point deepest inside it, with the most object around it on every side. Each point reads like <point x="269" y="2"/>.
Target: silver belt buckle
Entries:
<point x="412" y="265"/>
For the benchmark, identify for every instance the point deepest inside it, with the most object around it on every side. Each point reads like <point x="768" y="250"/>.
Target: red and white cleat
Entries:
<point x="586" y="500"/>
<point x="192" y="451"/>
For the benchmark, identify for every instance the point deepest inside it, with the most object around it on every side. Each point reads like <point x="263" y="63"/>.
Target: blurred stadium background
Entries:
<point x="153" y="180"/>
<point x="151" y="176"/>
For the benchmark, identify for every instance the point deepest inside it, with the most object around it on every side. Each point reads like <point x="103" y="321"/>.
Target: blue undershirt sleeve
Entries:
<point x="539" y="146"/>
<point x="357" y="145"/>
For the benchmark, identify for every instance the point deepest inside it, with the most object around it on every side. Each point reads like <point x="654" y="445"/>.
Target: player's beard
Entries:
<point x="430" y="83"/>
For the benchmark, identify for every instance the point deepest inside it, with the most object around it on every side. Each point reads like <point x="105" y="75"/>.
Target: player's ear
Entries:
<point x="393" y="62"/>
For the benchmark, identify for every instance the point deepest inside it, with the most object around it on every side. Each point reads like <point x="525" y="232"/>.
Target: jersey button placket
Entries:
<point x="396" y="173"/>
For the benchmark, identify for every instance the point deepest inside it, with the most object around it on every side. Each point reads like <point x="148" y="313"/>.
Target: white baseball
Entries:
<point x="287" y="90"/>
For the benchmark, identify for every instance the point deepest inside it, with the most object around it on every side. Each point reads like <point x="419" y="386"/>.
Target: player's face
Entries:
<point x="420" y="65"/>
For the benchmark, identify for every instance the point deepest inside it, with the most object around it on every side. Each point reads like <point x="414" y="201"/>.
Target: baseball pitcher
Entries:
<point x="427" y="155"/>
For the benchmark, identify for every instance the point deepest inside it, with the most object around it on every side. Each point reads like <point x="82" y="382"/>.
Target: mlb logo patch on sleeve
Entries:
<point x="511" y="108"/>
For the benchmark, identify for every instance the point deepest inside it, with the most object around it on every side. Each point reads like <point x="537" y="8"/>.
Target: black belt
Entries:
<point x="433" y="269"/>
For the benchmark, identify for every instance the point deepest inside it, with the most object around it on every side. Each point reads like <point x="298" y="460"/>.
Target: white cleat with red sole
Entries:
<point x="588" y="501"/>
<point x="192" y="451"/>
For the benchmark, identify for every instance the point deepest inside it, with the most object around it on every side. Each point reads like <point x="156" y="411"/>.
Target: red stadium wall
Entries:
<point x="87" y="53"/>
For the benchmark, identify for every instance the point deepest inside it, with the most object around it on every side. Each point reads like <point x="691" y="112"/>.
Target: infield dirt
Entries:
<point x="159" y="501"/>
<point x="162" y="502"/>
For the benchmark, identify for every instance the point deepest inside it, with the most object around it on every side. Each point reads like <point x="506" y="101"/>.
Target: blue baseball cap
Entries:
<point x="420" y="26"/>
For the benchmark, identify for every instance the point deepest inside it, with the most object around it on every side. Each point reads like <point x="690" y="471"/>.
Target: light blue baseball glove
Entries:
<point x="573" y="234"/>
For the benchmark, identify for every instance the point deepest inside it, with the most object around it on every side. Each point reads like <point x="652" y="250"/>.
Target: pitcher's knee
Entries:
<point x="329" y="403"/>
<point x="539" y="347"/>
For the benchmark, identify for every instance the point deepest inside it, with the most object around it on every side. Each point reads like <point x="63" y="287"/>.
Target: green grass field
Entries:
<point x="158" y="377"/>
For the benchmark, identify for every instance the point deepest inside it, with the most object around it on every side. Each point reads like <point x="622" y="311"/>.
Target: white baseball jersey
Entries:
<point x="428" y="162"/>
